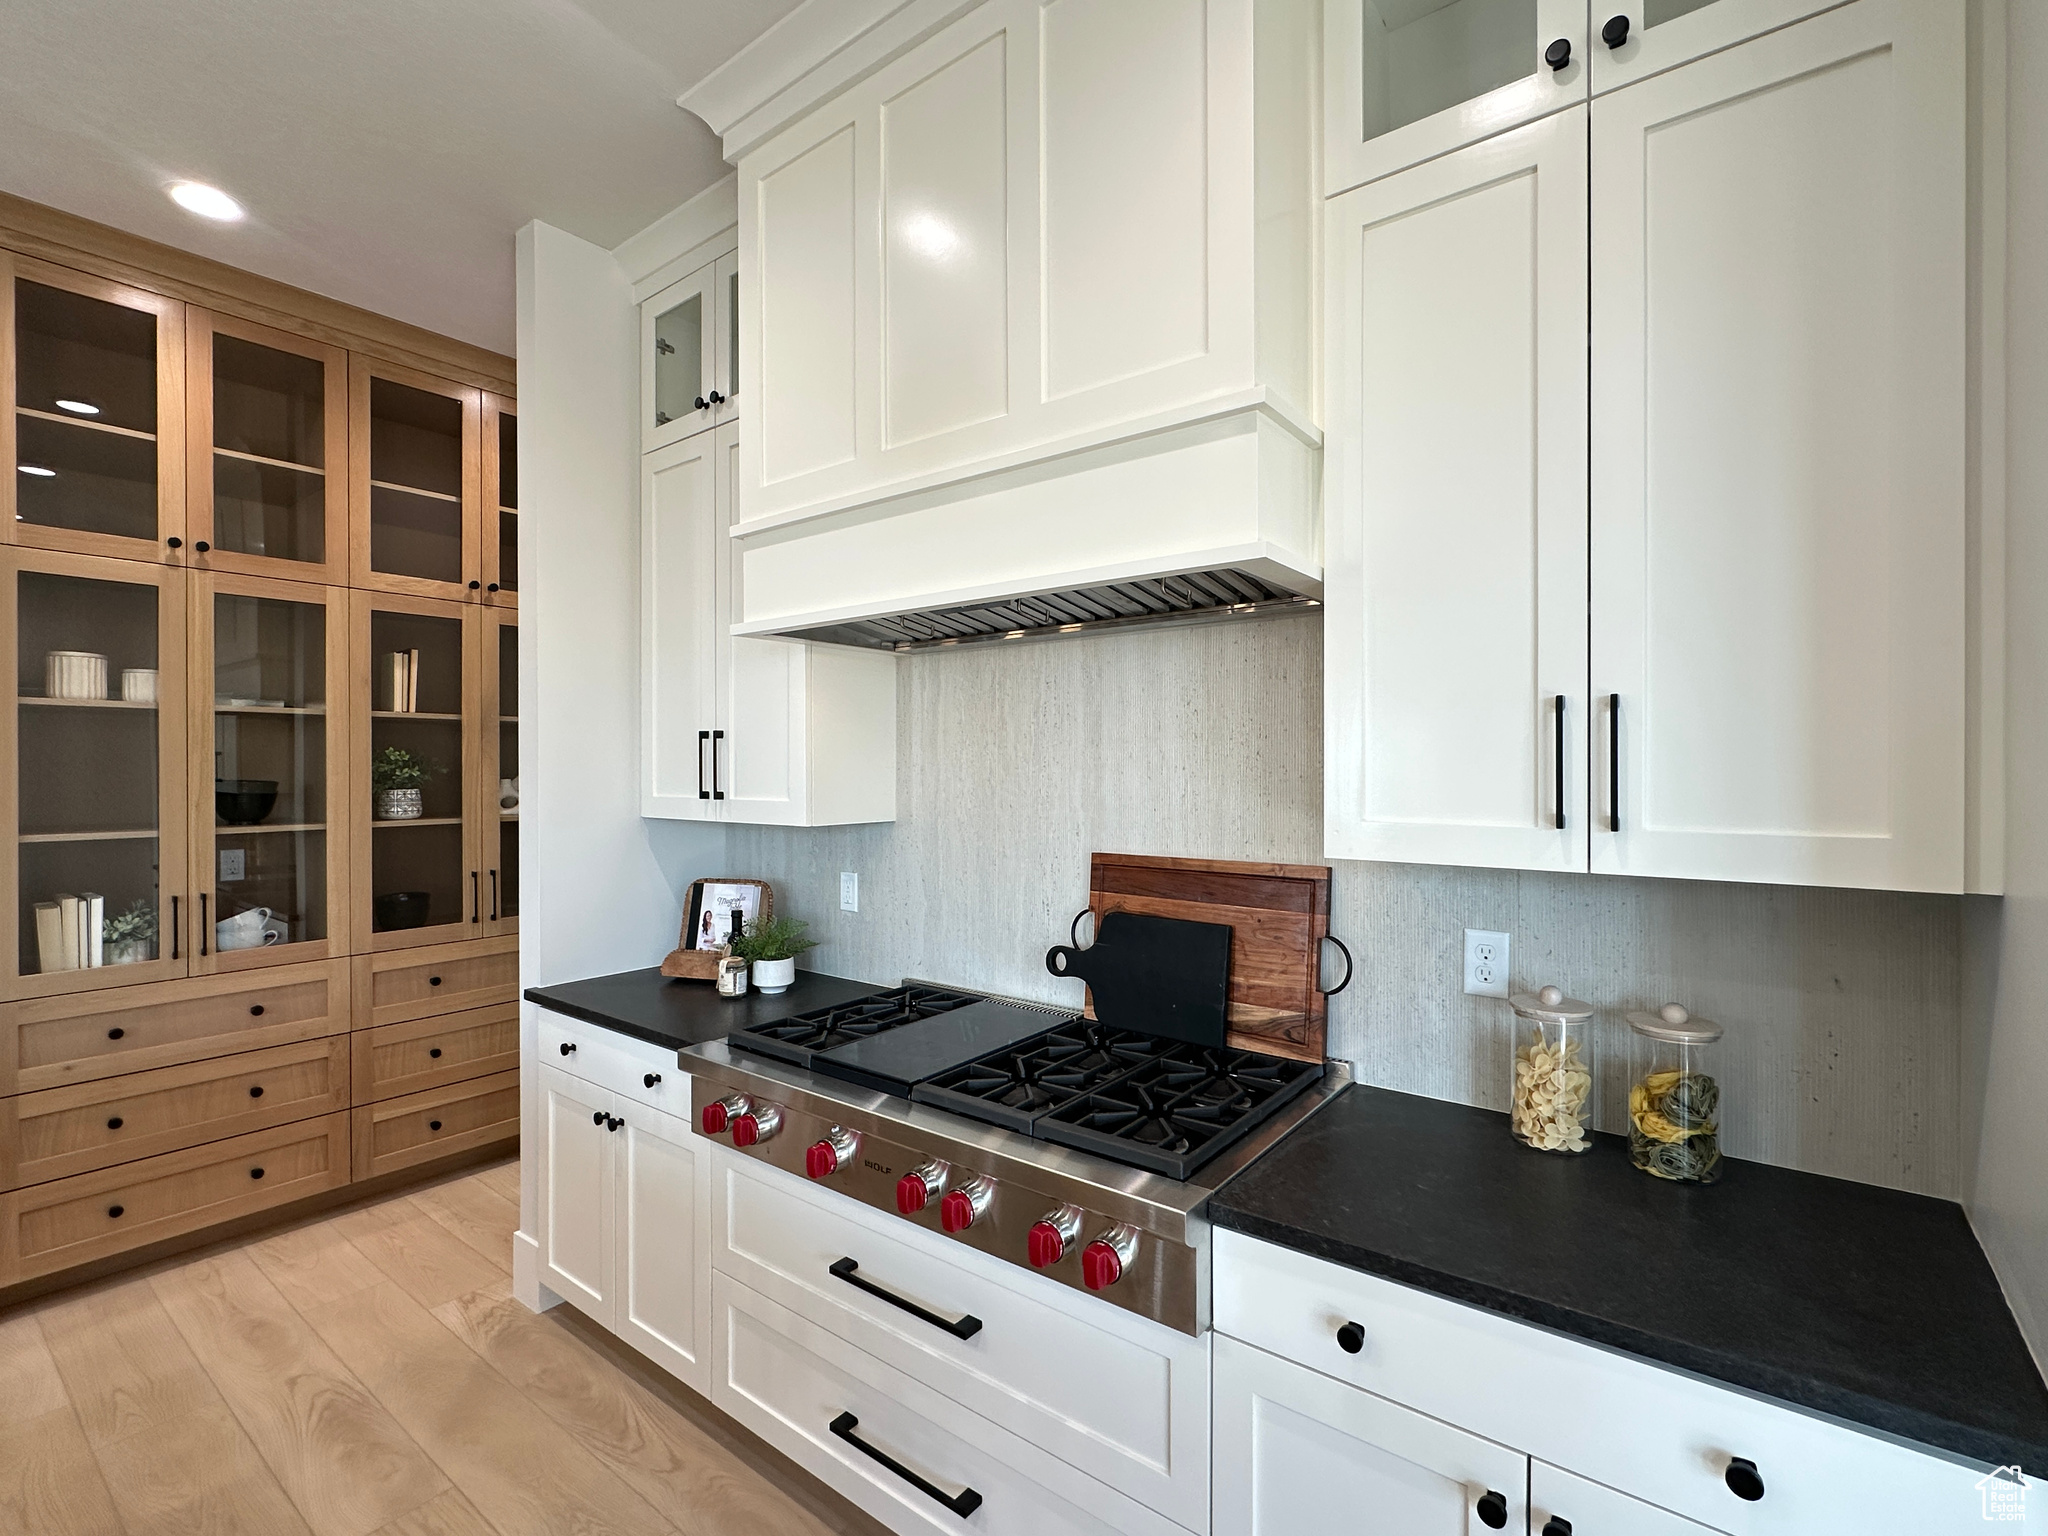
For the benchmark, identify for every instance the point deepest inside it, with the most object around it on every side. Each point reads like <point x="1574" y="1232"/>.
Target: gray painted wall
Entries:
<point x="1841" y="1006"/>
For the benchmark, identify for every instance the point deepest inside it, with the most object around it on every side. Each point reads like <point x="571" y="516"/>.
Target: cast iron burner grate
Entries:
<point x="1014" y="1086"/>
<point x="798" y="1039"/>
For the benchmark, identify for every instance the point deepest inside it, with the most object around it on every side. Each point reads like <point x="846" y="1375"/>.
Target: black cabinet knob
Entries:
<point x="256" y="1092"/>
<point x="1493" y="1510"/>
<point x="435" y="1052"/>
<point x="256" y="1012"/>
<point x="597" y="1117"/>
<point x="612" y="1122"/>
<point x="492" y="587"/>
<point x="114" y="1124"/>
<point x="1557" y="1525"/>
<point x="650" y="1079"/>
<point x="433" y="1125"/>
<point x="1743" y="1479"/>
<point x="1558" y="54"/>
<point x="202" y="546"/>
<point x="475" y="586"/>
<point x="116" y="1210"/>
<point x="175" y="543"/>
<point x="1351" y="1338"/>
<point x="703" y="404"/>
<point x="255" y="1173"/>
<point x="433" y="981"/>
<point x="716" y="398"/>
<point x="1615" y="33"/>
<point x="568" y="1048"/>
<point x="115" y="1034"/>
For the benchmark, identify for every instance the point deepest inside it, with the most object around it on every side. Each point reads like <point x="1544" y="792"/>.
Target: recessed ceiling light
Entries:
<point x="208" y="202"/>
<point x="78" y="407"/>
<point x="36" y="469"/>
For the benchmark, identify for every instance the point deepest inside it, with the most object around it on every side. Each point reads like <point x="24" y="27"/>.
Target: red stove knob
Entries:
<point x="717" y="1117"/>
<point x="1053" y="1234"/>
<point x="1104" y="1261"/>
<point x="964" y="1206"/>
<point x="831" y="1152"/>
<point x="919" y="1187"/>
<point x="755" y="1125"/>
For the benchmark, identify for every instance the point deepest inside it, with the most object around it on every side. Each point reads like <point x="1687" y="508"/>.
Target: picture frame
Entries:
<point x="690" y="960"/>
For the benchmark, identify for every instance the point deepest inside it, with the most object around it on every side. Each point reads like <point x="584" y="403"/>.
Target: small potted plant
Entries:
<point x="397" y="776"/>
<point x="129" y="938"/>
<point x="770" y="947"/>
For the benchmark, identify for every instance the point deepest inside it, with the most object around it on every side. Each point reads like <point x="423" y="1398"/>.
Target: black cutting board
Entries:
<point x="1160" y="975"/>
<point x="894" y="1060"/>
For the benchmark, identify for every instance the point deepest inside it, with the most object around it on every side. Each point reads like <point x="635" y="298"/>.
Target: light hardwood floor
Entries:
<point x="367" y="1374"/>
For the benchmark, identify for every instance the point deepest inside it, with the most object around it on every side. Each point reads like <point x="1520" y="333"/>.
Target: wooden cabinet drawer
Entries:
<point x="449" y="978"/>
<point x="70" y="1221"/>
<point x="423" y="1126"/>
<point x="74" y="1129"/>
<point x="56" y="1040"/>
<point x="432" y="1053"/>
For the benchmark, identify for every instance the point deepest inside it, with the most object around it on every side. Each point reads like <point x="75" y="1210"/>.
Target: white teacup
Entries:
<point x="245" y="930"/>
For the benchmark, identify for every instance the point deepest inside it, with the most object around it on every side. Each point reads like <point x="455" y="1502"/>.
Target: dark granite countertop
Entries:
<point x="656" y="1008"/>
<point x="1864" y="1303"/>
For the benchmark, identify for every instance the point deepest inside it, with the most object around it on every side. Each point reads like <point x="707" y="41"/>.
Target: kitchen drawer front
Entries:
<point x="70" y="1221"/>
<point x="448" y="978"/>
<point x="438" y="1123"/>
<point x="1124" y="1399"/>
<point x="1647" y="1431"/>
<point x="615" y="1061"/>
<point x="56" y="1040"/>
<point x="394" y="1059"/>
<point x="75" y="1129"/>
<point x="1588" y="1509"/>
<point x="789" y="1380"/>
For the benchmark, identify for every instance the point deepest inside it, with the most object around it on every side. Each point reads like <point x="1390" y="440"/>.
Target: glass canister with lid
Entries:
<point x="1553" y="1066"/>
<point x="1674" y="1105"/>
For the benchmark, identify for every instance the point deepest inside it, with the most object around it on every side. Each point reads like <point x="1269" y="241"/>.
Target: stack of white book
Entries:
<point x="68" y="932"/>
<point x="398" y="682"/>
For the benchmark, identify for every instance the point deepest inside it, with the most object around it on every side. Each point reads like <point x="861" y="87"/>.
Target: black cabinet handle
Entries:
<point x="494" y="895"/>
<point x="715" y="398"/>
<point x="963" y="1503"/>
<point x="1614" y="759"/>
<point x="256" y="1092"/>
<point x="114" y="1124"/>
<point x="492" y="587"/>
<point x="568" y="1048"/>
<point x="176" y="928"/>
<point x="433" y="1125"/>
<point x="116" y="1210"/>
<point x="202" y="546"/>
<point x="1560" y="762"/>
<point x="175" y="542"/>
<point x="1351" y="1338"/>
<point x="476" y="586"/>
<point x="1493" y="1510"/>
<point x="1557" y="1525"/>
<point x="476" y="908"/>
<point x="1615" y="33"/>
<point x="433" y="981"/>
<point x="702" y="792"/>
<point x="256" y="1011"/>
<point x="1743" y="1479"/>
<point x="435" y="1052"/>
<point x="966" y="1328"/>
<point x="255" y="1173"/>
<point x="115" y="1034"/>
<point x="1558" y="54"/>
<point x="703" y="404"/>
<point x="612" y="1122"/>
<point x="716" y="738"/>
<point x="202" y="922"/>
<point x="650" y="1079"/>
<point x="597" y="1117"/>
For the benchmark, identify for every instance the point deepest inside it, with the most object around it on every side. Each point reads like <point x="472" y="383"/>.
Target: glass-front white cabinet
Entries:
<point x="689" y="355"/>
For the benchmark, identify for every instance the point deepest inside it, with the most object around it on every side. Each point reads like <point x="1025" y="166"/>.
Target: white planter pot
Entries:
<point x="398" y="805"/>
<point x="772" y="976"/>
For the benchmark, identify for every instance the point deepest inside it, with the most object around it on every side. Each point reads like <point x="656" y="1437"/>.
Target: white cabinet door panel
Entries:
<point x="1777" y="492"/>
<point x="682" y="549"/>
<point x="664" y="1304"/>
<point x="1588" y="1509"/>
<point x="575" y="1178"/>
<point x="681" y="359"/>
<point x="1296" y="1451"/>
<point x="808" y="252"/>
<point x="1664" y="33"/>
<point x="1455" y="496"/>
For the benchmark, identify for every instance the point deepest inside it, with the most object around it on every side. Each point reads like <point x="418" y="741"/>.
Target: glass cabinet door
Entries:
<point x="679" y="369"/>
<point x="418" y="878"/>
<point x="501" y="773"/>
<point x="414" y="443"/>
<point x="1634" y="38"/>
<point x="500" y="535"/>
<point x="269" y="865"/>
<point x="96" y="771"/>
<point x="268" y="430"/>
<point x="94" y="413"/>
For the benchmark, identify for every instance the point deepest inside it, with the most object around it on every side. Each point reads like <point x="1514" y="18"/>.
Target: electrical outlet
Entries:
<point x="234" y="864"/>
<point x="1486" y="963"/>
<point x="849" y="891"/>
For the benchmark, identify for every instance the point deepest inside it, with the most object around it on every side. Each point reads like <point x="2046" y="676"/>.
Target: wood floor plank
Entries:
<point x="50" y="1485"/>
<point x="431" y="1263"/>
<point x="477" y="1214"/>
<point x="124" y="1365"/>
<point x="196" y="1476"/>
<point x="512" y="1460"/>
<point x="29" y="1384"/>
<point x="311" y="1266"/>
<point x="668" y="1460"/>
<point x="449" y="1514"/>
<point x="504" y="1179"/>
<point x="341" y="1458"/>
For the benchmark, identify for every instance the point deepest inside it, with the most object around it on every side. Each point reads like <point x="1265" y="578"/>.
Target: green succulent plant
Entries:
<point x="396" y="768"/>
<point x="778" y="938"/>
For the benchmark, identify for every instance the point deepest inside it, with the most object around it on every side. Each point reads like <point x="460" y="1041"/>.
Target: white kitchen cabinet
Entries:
<point x="1561" y="1504"/>
<point x="1297" y="1451"/>
<point x="1407" y="80"/>
<point x="1634" y="39"/>
<point x="687" y="356"/>
<point x="1455" y="484"/>
<point x="621" y="1188"/>
<point x="735" y="728"/>
<point x="1778" y="586"/>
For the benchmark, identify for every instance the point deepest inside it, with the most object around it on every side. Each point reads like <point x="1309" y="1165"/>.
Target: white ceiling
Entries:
<point x="386" y="150"/>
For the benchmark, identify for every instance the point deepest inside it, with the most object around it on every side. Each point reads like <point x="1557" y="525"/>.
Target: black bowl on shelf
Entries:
<point x="400" y="909"/>
<point x="243" y="802"/>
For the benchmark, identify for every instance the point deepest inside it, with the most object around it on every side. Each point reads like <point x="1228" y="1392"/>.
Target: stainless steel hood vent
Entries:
<point x="1193" y="597"/>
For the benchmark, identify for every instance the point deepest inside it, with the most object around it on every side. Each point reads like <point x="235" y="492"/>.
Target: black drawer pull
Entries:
<point x="433" y="1125"/>
<point x="1557" y="1525"/>
<point x="966" y="1328"/>
<point x="255" y="1173"/>
<point x="115" y="1034"/>
<point x="1351" y="1338"/>
<point x="1743" y="1479"/>
<point x="433" y="981"/>
<point x="116" y="1210"/>
<point x="650" y="1079"/>
<point x="256" y="1092"/>
<point x="1493" y="1509"/>
<point x="435" y="1052"/>
<point x="114" y="1124"/>
<point x="963" y="1503"/>
<point x="568" y="1048"/>
<point x="256" y="1012"/>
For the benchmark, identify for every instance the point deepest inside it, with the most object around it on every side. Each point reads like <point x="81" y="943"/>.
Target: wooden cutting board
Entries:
<point x="1278" y="916"/>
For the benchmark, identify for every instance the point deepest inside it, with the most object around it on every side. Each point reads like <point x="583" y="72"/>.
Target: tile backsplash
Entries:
<point x="1842" y="1007"/>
